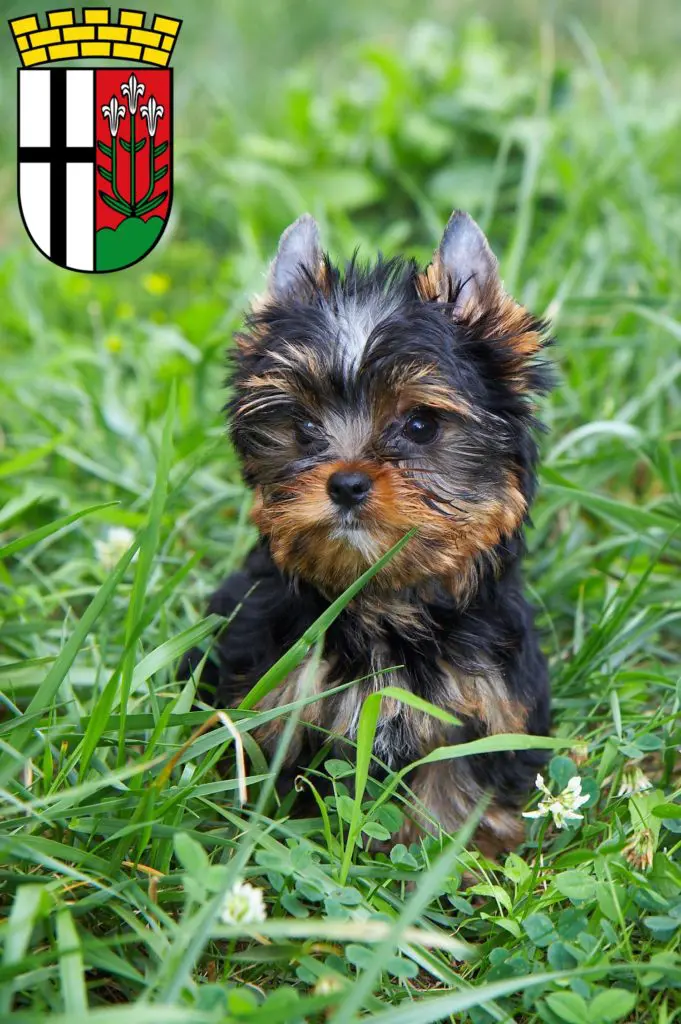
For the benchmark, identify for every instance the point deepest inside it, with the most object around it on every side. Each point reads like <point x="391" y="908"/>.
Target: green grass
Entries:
<point x="119" y="836"/>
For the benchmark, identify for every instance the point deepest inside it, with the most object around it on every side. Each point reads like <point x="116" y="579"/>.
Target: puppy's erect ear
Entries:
<point x="465" y="273"/>
<point x="298" y="258"/>
<point x="466" y="269"/>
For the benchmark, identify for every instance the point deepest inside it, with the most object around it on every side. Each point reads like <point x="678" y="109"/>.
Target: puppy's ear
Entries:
<point x="299" y="258"/>
<point x="465" y="270"/>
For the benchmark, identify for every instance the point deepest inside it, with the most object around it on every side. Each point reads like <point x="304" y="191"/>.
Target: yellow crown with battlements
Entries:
<point x="95" y="35"/>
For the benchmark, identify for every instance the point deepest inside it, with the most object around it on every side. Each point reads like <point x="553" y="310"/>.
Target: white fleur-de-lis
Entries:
<point x="115" y="113"/>
<point x="152" y="112"/>
<point x="134" y="90"/>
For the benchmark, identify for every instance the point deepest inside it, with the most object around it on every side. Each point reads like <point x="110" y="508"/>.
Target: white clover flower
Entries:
<point x="115" y="113"/>
<point x="640" y="850"/>
<point x="243" y="904"/>
<point x="634" y="780"/>
<point x="110" y="550"/>
<point x="134" y="90"/>
<point x="563" y="807"/>
<point x="328" y="985"/>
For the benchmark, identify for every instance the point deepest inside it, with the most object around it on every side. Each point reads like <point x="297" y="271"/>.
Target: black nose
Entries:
<point x="349" y="489"/>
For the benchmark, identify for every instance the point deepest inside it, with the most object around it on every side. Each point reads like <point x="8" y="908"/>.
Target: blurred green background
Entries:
<point x="277" y="98"/>
<point x="555" y="125"/>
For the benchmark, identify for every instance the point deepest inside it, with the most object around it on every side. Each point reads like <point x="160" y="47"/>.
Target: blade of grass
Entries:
<point x="30" y="903"/>
<point x="434" y="1009"/>
<point x="49" y="688"/>
<point x="187" y="947"/>
<point x="174" y="648"/>
<point x="71" y="967"/>
<point x="430" y="883"/>
<point x="366" y="731"/>
<point x="46" y="531"/>
<point x="148" y="546"/>
<point x="495" y="744"/>
<point x="295" y="654"/>
<point x="101" y="718"/>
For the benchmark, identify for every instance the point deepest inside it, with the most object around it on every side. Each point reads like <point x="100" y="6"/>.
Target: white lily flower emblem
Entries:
<point x="134" y="90"/>
<point x="152" y="112"/>
<point x="562" y="808"/>
<point x="115" y="113"/>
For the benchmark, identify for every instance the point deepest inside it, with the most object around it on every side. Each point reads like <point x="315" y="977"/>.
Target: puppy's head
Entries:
<point x="378" y="398"/>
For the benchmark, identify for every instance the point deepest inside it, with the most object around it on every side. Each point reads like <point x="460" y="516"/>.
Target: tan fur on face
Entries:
<point x="268" y="388"/>
<point x="300" y="530"/>
<point x="432" y="395"/>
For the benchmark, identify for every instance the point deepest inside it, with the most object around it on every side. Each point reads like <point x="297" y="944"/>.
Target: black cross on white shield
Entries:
<point x="57" y="163"/>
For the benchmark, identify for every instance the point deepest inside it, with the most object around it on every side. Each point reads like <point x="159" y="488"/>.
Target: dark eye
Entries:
<point x="308" y="434"/>
<point x="422" y="427"/>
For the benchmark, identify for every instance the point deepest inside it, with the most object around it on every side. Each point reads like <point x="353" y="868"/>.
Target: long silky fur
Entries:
<point x="355" y="350"/>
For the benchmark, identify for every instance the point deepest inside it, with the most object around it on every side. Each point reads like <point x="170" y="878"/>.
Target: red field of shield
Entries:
<point x="133" y="131"/>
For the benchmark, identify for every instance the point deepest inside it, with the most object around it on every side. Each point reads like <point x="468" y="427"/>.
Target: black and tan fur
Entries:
<point x="343" y="374"/>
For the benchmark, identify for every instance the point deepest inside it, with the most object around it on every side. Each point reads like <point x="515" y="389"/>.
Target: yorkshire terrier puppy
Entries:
<point x="365" y="402"/>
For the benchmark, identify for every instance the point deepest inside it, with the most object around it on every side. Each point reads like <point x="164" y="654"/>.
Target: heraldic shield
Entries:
<point x="95" y="146"/>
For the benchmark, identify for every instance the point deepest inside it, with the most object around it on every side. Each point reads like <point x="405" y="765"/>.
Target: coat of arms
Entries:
<point x="95" y="145"/>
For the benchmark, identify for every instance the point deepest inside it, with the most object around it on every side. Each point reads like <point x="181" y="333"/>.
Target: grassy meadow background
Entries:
<point x="558" y="126"/>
